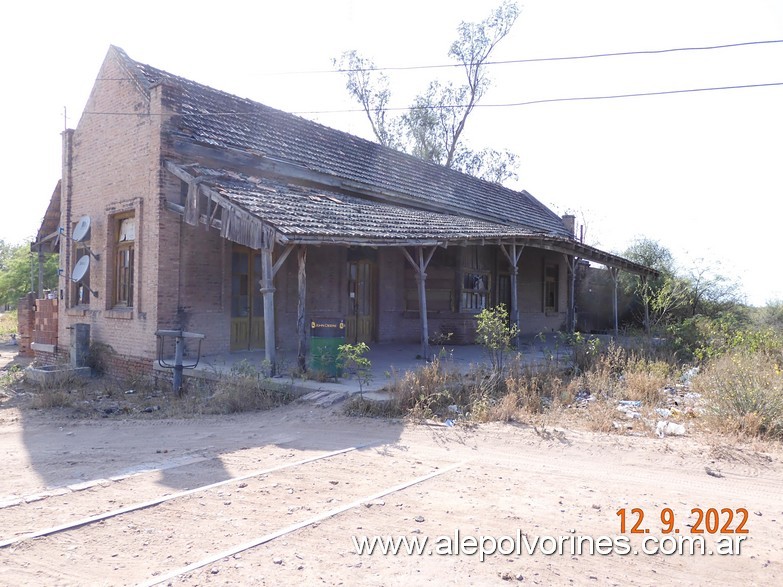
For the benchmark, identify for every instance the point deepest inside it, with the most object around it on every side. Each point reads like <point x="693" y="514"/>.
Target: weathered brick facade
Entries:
<point x="182" y="276"/>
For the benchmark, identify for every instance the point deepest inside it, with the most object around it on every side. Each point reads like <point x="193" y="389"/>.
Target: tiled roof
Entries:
<point x="305" y="214"/>
<point x="302" y="213"/>
<point x="220" y="119"/>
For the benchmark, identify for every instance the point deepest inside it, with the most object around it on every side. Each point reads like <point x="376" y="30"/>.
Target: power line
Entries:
<point x="509" y="61"/>
<point x="536" y="59"/>
<point x="454" y="106"/>
<point x="567" y="99"/>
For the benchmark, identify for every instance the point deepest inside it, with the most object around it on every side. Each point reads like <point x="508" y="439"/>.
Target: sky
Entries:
<point x="699" y="172"/>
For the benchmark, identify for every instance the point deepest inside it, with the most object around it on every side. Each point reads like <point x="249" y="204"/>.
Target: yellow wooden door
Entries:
<point x="247" y="305"/>
<point x="361" y="319"/>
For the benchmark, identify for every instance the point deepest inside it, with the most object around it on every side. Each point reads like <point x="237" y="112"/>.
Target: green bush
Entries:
<point x="702" y="338"/>
<point x="495" y="334"/>
<point x="744" y="393"/>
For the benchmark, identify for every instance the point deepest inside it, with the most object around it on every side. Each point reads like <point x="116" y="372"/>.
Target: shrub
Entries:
<point x="744" y="393"/>
<point x="702" y="338"/>
<point x="428" y="390"/>
<point x="495" y="334"/>
<point x="243" y="390"/>
<point x="351" y="360"/>
<point x="537" y="387"/>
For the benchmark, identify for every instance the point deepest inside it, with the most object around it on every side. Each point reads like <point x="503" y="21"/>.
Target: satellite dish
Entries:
<point x="81" y="268"/>
<point x="82" y="229"/>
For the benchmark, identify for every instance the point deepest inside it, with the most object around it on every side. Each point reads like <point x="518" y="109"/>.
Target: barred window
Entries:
<point x="475" y="279"/>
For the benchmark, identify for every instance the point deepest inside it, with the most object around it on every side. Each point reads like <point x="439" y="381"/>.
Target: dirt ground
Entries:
<point x="490" y="480"/>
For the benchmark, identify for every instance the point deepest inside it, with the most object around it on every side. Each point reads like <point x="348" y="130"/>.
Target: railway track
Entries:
<point x="229" y="516"/>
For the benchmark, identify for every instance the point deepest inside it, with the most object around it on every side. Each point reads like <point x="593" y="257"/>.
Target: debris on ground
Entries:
<point x="666" y="428"/>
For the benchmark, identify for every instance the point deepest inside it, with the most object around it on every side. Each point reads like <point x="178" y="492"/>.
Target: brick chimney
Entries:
<point x="569" y="221"/>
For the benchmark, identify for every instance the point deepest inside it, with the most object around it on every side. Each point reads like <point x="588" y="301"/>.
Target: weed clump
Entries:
<point x="744" y="393"/>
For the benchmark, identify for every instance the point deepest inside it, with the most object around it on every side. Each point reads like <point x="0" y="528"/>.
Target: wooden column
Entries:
<point x="301" y="328"/>
<point x="268" y="291"/>
<point x="614" y="271"/>
<point x="571" y="263"/>
<point x="420" y="266"/>
<point x="267" y="283"/>
<point x="513" y="253"/>
<point x="40" y="272"/>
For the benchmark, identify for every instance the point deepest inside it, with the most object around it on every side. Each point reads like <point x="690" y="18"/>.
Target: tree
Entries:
<point x="771" y="315"/>
<point x="711" y="293"/>
<point x="651" y="253"/>
<point x="18" y="270"/>
<point x="433" y="126"/>
<point x="662" y="296"/>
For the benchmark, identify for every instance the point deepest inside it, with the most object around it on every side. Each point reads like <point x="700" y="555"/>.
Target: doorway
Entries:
<point x="247" y="302"/>
<point x="361" y="319"/>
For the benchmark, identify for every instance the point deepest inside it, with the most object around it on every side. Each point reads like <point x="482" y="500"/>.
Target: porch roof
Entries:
<point x="47" y="238"/>
<point x="308" y="215"/>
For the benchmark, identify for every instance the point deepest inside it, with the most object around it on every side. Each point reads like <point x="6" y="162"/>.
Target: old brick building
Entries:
<point x="218" y="215"/>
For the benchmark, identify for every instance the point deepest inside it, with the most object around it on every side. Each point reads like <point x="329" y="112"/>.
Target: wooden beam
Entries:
<point x="420" y="266"/>
<point x="191" y="202"/>
<point x="409" y="258"/>
<point x="283" y="256"/>
<point x="301" y="326"/>
<point x="646" y="296"/>
<point x="571" y="263"/>
<point x="614" y="272"/>
<point x="513" y="254"/>
<point x="268" y="291"/>
<point x="421" y="278"/>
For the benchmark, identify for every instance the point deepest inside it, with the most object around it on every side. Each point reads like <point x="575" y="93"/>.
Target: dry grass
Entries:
<point x="52" y="398"/>
<point x="506" y="409"/>
<point x="428" y="390"/>
<point x="601" y="416"/>
<point x="546" y="391"/>
<point x="145" y="397"/>
<point x="538" y="387"/>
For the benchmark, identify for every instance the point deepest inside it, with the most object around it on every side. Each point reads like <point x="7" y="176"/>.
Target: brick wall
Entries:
<point x="114" y="168"/>
<point x="45" y="330"/>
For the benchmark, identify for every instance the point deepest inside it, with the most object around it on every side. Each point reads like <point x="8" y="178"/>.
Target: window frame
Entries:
<point x="551" y="287"/>
<point x="80" y="292"/>
<point x="124" y="261"/>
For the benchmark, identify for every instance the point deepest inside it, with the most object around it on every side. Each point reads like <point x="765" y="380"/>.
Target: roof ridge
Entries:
<point x="458" y="188"/>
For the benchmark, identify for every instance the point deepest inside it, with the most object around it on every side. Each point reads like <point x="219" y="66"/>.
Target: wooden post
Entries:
<point x="268" y="291"/>
<point x="420" y="266"/>
<point x="614" y="271"/>
<point x="40" y="271"/>
<point x="513" y="256"/>
<point x="421" y="277"/>
<point x="300" y="308"/>
<point x="571" y="263"/>
<point x="646" y="294"/>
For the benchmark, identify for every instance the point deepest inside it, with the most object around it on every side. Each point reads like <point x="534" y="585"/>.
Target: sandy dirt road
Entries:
<point x="488" y="481"/>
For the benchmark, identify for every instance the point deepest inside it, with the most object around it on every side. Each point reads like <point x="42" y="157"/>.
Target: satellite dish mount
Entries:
<point x="81" y="232"/>
<point x="80" y="270"/>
